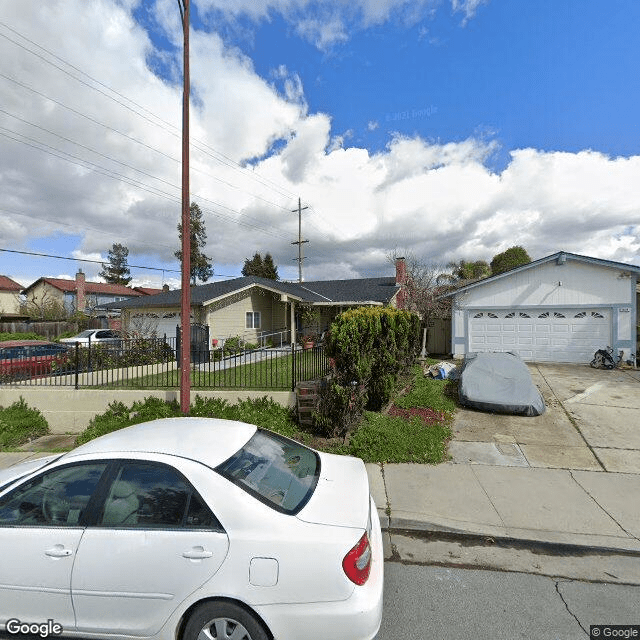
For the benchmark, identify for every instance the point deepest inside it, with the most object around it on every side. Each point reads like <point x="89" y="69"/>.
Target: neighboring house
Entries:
<point x="9" y="296"/>
<point x="78" y="294"/>
<point x="561" y="308"/>
<point x="258" y="309"/>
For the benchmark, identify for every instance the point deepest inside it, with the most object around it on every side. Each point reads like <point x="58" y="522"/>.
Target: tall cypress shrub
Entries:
<point x="369" y="348"/>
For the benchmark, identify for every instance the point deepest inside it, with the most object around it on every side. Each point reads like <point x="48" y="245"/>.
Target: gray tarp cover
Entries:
<point x="501" y="383"/>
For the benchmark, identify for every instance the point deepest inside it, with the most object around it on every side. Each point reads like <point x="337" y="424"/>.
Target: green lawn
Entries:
<point x="274" y="373"/>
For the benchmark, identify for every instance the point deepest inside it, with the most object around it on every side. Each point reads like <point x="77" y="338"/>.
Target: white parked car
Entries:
<point x="191" y="529"/>
<point x="94" y="336"/>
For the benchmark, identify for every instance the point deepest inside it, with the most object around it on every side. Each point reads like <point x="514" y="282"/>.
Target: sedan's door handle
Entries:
<point x="197" y="553"/>
<point x="58" y="551"/>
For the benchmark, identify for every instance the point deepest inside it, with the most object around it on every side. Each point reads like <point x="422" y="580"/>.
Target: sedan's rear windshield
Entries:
<point x="277" y="471"/>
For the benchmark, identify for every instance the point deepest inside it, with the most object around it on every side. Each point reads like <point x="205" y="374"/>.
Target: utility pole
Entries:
<point x="300" y="242"/>
<point x="185" y="304"/>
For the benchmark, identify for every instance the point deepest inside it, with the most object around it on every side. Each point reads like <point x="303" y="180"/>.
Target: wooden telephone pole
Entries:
<point x="300" y="241"/>
<point x="185" y="303"/>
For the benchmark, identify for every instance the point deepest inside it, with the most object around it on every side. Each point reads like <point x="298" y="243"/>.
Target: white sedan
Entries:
<point x="94" y="336"/>
<point x="191" y="529"/>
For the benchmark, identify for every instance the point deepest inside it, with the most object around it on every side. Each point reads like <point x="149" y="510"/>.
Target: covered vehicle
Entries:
<point x="499" y="382"/>
<point x="192" y="528"/>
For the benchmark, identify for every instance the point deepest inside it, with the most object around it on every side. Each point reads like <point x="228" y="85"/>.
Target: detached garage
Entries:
<point x="561" y="308"/>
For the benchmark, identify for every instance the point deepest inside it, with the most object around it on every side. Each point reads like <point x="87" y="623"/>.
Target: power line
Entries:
<point x="86" y="164"/>
<point x="128" y="137"/>
<point x="211" y="151"/>
<point x="100" y="262"/>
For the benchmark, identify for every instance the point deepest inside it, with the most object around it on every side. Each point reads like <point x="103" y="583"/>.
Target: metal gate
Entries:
<point x="199" y="343"/>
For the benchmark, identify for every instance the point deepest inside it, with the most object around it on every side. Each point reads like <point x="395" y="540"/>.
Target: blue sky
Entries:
<point x="447" y="129"/>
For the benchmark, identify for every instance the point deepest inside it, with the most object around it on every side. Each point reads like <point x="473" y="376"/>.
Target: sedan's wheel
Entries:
<point x="223" y="621"/>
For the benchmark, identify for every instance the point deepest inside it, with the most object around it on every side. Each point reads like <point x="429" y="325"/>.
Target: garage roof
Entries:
<point x="560" y="257"/>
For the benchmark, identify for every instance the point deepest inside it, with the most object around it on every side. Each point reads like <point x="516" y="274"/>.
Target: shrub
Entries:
<point x="118" y="416"/>
<point x="232" y="345"/>
<point x="263" y="412"/>
<point x="19" y="423"/>
<point x="21" y="336"/>
<point x="369" y="348"/>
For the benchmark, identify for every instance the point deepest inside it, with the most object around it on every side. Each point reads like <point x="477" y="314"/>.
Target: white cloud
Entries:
<point x="440" y="200"/>
<point x="327" y="23"/>
<point x="467" y="7"/>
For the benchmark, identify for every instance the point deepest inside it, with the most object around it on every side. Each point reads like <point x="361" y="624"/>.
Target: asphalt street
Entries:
<point x="442" y="603"/>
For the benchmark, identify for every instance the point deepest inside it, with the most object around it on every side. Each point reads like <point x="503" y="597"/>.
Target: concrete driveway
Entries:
<point x="592" y="423"/>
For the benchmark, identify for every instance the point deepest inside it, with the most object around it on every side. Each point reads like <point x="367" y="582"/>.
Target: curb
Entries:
<point x="433" y="532"/>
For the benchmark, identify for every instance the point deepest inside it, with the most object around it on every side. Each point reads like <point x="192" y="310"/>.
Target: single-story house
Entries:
<point x="561" y="308"/>
<point x="9" y="296"/>
<point x="79" y="294"/>
<point x="258" y="309"/>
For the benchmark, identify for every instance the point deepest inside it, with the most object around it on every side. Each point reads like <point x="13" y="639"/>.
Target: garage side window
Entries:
<point x="147" y="495"/>
<point x="54" y="499"/>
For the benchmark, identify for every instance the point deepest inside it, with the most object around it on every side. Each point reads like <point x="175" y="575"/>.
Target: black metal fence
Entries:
<point x="144" y="363"/>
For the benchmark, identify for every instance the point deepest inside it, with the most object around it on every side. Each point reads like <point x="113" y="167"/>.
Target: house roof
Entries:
<point x="560" y="257"/>
<point x="70" y="286"/>
<point x="148" y="291"/>
<point x="7" y="284"/>
<point x="355" y="291"/>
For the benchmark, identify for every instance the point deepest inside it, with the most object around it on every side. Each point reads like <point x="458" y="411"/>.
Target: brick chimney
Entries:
<point x="401" y="271"/>
<point x="401" y="281"/>
<point x="81" y="297"/>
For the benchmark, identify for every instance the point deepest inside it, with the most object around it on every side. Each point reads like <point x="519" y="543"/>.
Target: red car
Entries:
<point x="26" y="359"/>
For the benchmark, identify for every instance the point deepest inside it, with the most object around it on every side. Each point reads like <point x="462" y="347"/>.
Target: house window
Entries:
<point x="544" y="315"/>
<point x="492" y="315"/>
<point x="558" y="315"/>
<point x="524" y="315"/>
<point x="595" y="314"/>
<point x="582" y="314"/>
<point x="252" y="320"/>
<point x="511" y="315"/>
<point x="479" y="315"/>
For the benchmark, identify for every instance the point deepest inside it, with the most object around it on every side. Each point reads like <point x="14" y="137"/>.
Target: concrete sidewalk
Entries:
<point x="589" y="509"/>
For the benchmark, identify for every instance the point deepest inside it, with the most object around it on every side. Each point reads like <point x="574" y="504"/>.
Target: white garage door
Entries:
<point x="561" y="335"/>
<point x="158" y="324"/>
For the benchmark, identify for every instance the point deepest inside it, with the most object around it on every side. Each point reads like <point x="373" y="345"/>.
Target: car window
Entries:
<point x="280" y="472"/>
<point x="56" y="498"/>
<point x="147" y="495"/>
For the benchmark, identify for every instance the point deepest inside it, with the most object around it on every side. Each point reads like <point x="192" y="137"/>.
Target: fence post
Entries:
<point x="77" y="362"/>
<point x="293" y="366"/>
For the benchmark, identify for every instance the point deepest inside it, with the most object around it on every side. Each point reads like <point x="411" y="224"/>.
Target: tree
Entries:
<point x="117" y="271"/>
<point x="201" y="268"/>
<point x="463" y="271"/>
<point x="46" y="307"/>
<point x="509" y="259"/>
<point x="423" y="289"/>
<point x="257" y="266"/>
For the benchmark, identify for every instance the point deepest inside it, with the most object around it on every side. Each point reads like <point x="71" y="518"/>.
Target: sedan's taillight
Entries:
<point x="357" y="563"/>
